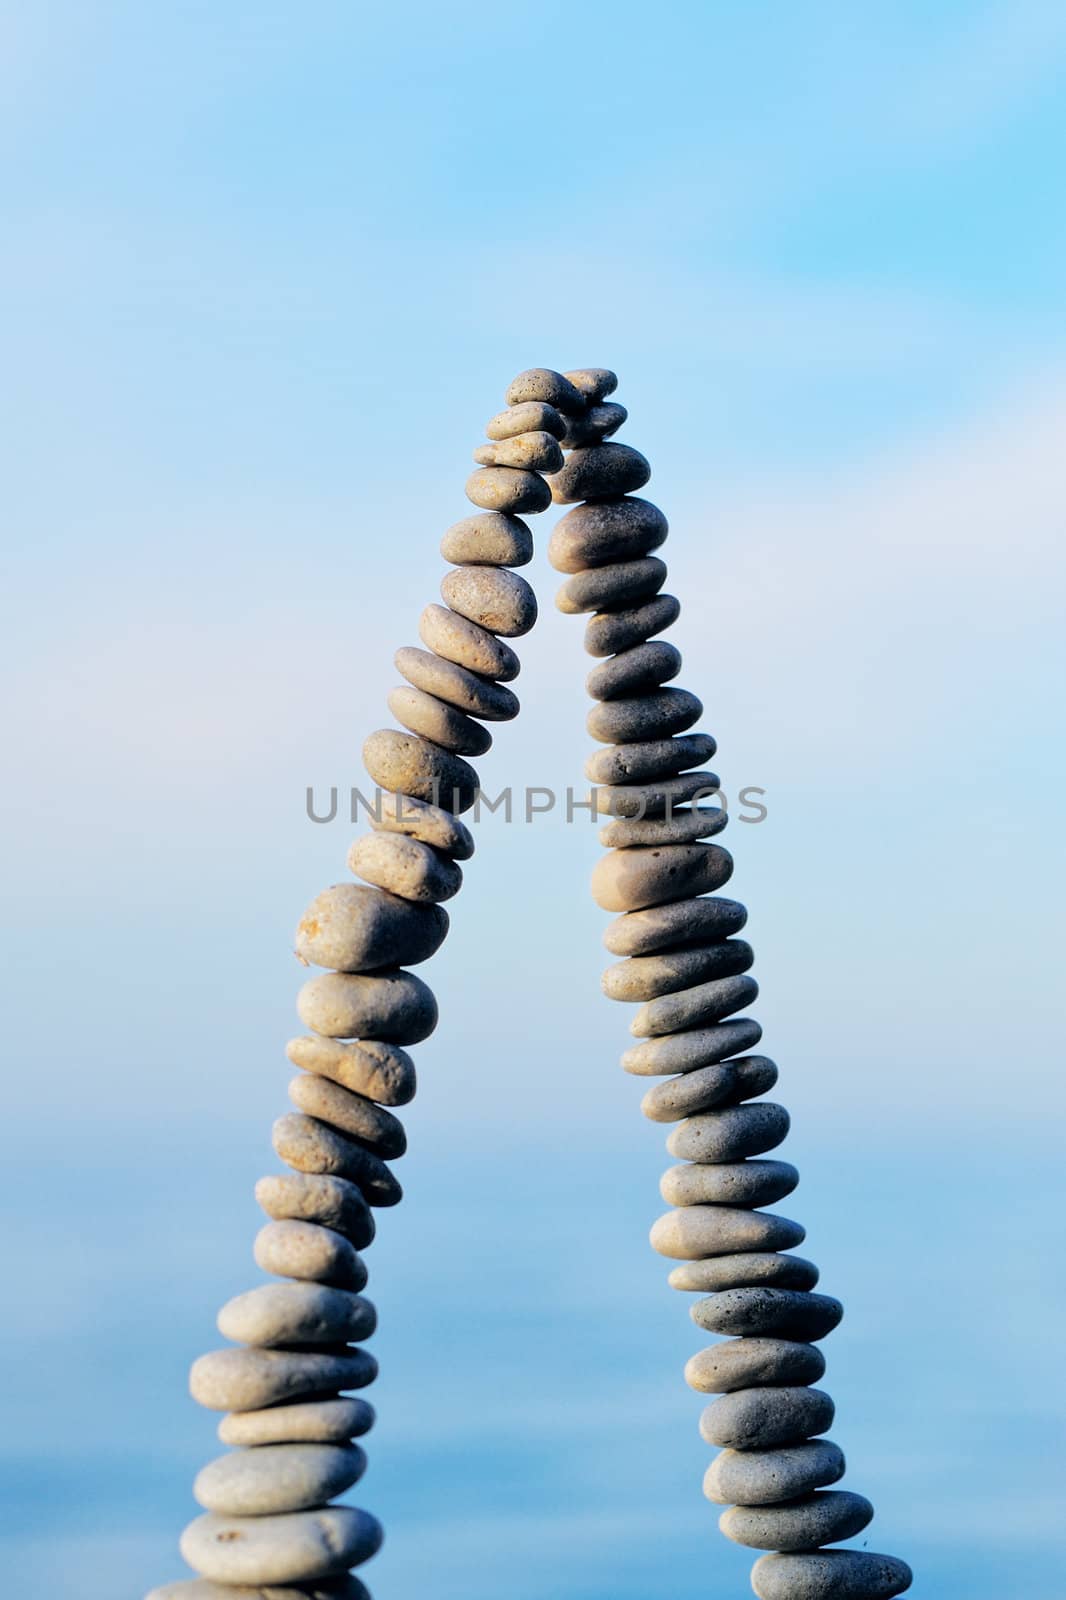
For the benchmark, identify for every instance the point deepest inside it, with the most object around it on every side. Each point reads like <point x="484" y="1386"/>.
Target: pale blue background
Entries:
<point x="266" y="270"/>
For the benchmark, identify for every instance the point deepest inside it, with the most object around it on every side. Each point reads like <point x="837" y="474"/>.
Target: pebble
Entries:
<point x="394" y="1005"/>
<point x="314" y="1147"/>
<point x="763" y="1477"/>
<point x="747" y="1363"/>
<point x="404" y="762"/>
<point x="656" y="758"/>
<point x="632" y="880"/>
<point x="467" y="645"/>
<point x="316" y="1197"/>
<point x="730" y="1134"/>
<point x="299" y="1422"/>
<point x="381" y="1072"/>
<point x="830" y="1575"/>
<point x="760" y="1419"/>
<point x="537" y="451"/>
<point x="434" y="719"/>
<point x="606" y="532"/>
<point x="602" y="472"/>
<point x="650" y="716"/>
<point x="804" y="1525"/>
<point x="534" y="416"/>
<point x="694" y="1008"/>
<point x="689" y="1233"/>
<point x="355" y="1115"/>
<point x="350" y="928"/>
<point x="595" y="425"/>
<point x="744" y="1268"/>
<point x="646" y="977"/>
<point x="490" y="539"/>
<point x="541" y="383"/>
<point x="612" y="632"/>
<point x="768" y="1312"/>
<point x="405" y="867"/>
<point x="347" y="1588"/>
<point x="493" y="598"/>
<point x="698" y="1091"/>
<point x="273" y="1478"/>
<point x="479" y="697"/>
<point x="248" y="1380"/>
<point x="308" y="1251"/>
<point x="607" y="588"/>
<point x="390" y="812"/>
<point x="276" y="1314"/>
<point x="682" y="924"/>
<point x="646" y="666"/>
<point x="592" y="383"/>
<point x="657" y="797"/>
<point x="280" y="1549"/>
<point x="683" y="1052"/>
<point x="508" y="489"/>
<point x="740" y="1183"/>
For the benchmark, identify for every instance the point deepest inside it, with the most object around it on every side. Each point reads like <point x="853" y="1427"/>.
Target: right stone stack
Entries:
<point x="684" y="966"/>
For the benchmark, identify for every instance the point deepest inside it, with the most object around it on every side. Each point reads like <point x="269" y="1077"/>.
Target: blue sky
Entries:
<point x="267" y="270"/>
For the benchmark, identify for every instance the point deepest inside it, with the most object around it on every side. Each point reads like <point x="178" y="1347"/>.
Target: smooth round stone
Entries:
<point x="647" y="977"/>
<point x="747" y="1363"/>
<point x="656" y="758"/>
<point x="680" y="925"/>
<point x="602" y="472"/>
<point x="694" y="1092"/>
<point x="740" y="1183"/>
<point x="280" y="1549"/>
<point x="607" y="588"/>
<point x="763" y="1477"/>
<point x="278" y="1314"/>
<point x="595" y="425"/>
<point x="314" y="1147"/>
<point x="760" y="1419"/>
<point x="683" y="826"/>
<point x="694" y="1008"/>
<point x="353" y="1114"/>
<point x="614" y="631"/>
<point x="490" y="539"/>
<point x="308" y="1251"/>
<point x="493" y="598"/>
<point x="534" y="416"/>
<point x="316" y="1197"/>
<point x="395" y="1006"/>
<point x="248" y="1380"/>
<point x="657" y="797"/>
<point x="508" y="489"/>
<point x="730" y="1134"/>
<point x="277" y="1477"/>
<point x="300" y="1422"/>
<point x="404" y="762"/>
<point x="531" y="452"/>
<point x="347" y="1588"/>
<point x="801" y="1525"/>
<point x="389" y="812"/>
<point x="405" y="867"/>
<point x="716" y="1087"/>
<point x="478" y="697"/>
<point x="738" y="1271"/>
<point x="692" y="1232"/>
<point x="434" y="719"/>
<point x="602" y="534"/>
<point x="467" y="645"/>
<point x="768" y="1312"/>
<point x="684" y="1052"/>
<point x="644" y="718"/>
<point x="646" y="666"/>
<point x="592" y="383"/>
<point x="381" y="1072"/>
<point x="541" y="383"/>
<point x="830" y="1575"/>
<point x="633" y="880"/>
<point x="354" y="929"/>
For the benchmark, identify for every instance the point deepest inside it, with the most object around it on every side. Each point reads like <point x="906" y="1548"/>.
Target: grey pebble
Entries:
<point x="299" y="1422"/>
<point x="280" y="1549"/>
<point x="690" y="1233"/>
<point x="406" y="868"/>
<point x="601" y="472"/>
<point x="830" y="1575"/>
<point x="764" y="1477"/>
<point x="347" y="1588"/>
<point x="760" y="1419"/>
<point x="389" y="812"/>
<point x="541" y="383"/>
<point x="684" y="1052"/>
<point x="740" y="1270"/>
<point x="657" y="797"/>
<point x="739" y="1183"/>
<point x="655" y="758"/>
<point x="350" y="928"/>
<point x="493" y="598"/>
<point x="695" y="1092"/>
<point x="491" y="538"/>
<point x="467" y="645"/>
<point x="392" y="1005"/>
<point x="316" y="1197"/>
<point x="537" y="451"/>
<point x="608" y="588"/>
<point x="410" y="765"/>
<point x="801" y="1524"/>
<point x="680" y="925"/>
<point x="478" y="697"/>
<point x="646" y="977"/>
<point x="248" y="1380"/>
<point x="353" y="1114"/>
<point x="380" y="1071"/>
<point x="646" y="666"/>
<point x="273" y="1478"/>
<point x="695" y="1007"/>
<point x="680" y="826"/>
<point x="747" y="1363"/>
<point x="606" y="532"/>
<point x="730" y="1134"/>
<point x="595" y="425"/>
<point x="592" y="383"/>
<point x="508" y="489"/>
<point x="765" y="1311"/>
<point x="306" y="1250"/>
<point x="611" y="632"/>
<point x="532" y="416"/>
<point x="311" y="1146"/>
<point x="435" y="719"/>
<point x="650" y="716"/>
<point x="633" y="880"/>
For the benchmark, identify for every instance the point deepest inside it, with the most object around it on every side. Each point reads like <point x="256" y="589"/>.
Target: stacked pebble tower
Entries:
<point x="681" y="960"/>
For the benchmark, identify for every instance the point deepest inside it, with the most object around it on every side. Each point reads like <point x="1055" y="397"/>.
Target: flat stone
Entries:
<point x="308" y="1251"/>
<point x="602" y="472"/>
<point x="595" y="425"/>
<point x="655" y="798"/>
<point x="695" y="1092"/>
<point x="347" y="1588"/>
<point x="508" y="489"/>
<point x="730" y="1134"/>
<point x="537" y="451"/>
<point x="493" y="598"/>
<point x="592" y="383"/>
<point x="647" y="977"/>
<point x="435" y="719"/>
<point x="316" y="1197"/>
<point x="410" y="765"/>
<point x="479" y="697"/>
<point x="280" y="1549"/>
<point x="681" y="826"/>
<point x="646" y="666"/>
<point x="695" y="1007"/>
<point x="690" y="1233"/>
<point x="606" y="532"/>
<point x="248" y="1380"/>
<point x="277" y="1477"/>
<point x="830" y="1575"/>
<point x="764" y="1477"/>
<point x="745" y="1268"/>
<point x="299" y="1422"/>
<point x="355" y="929"/>
<point x="655" y="758"/>
<point x="801" y="1524"/>
<point x="614" y="631"/>
<point x="389" y="812"/>
<point x="392" y="1005"/>
<point x="541" y="383"/>
<point x="467" y="645"/>
<point x="533" y="416"/>
<point x="747" y="1363"/>
<point x="277" y="1314"/>
<point x="405" y="867"/>
<point x="769" y="1312"/>
<point x="740" y="1183"/>
<point x="645" y="717"/>
<point x="353" y="1114"/>
<point x="684" y="1052"/>
<point x="370" y="1067"/>
<point x="761" y="1419"/>
<point x="608" y="588"/>
<point x="633" y="880"/>
<point x="491" y="538"/>
<point x="314" y="1147"/>
<point x="680" y="925"/>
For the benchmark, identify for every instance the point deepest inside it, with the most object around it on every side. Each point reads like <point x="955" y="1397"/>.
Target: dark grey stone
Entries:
<point x="765" y="1477"/>
<point x="614" y="631"/>
<point x="683" y="1052"/>
<point x="597" y="424"/>
<point x="646" y="977"/>
<point x="655" y="798"/>
<point x="656" y="758"/>
<point x="645" y="717"/>
<point x="769" y="1312"/>
<point x="762" y="1419"/>
<point x="601" y="472"/>
<point x="747" y="1267"/>
<point x="592" y="383"/>
<point x="680" y="925"/>
<point x="634" y="672"/>
<point x="696" y="1007"/>
<point x="606" y="532"/>
<point x="830" y="1575"/>
<point x="731" y="1133"/>
<point x="608" y="588"/>
<point x="803" y="1524"/>
<point x="680" y="826"/>
<point x="748" y="1363"/>
<point x="695" y="1092"/>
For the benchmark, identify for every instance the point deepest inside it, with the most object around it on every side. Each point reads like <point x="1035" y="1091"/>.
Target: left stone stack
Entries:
<point x="268" y="1528"/>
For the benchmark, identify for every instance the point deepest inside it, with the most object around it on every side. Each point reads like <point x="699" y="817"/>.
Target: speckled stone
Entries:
<point x="646" y="717"/>
<point x="392" y="1005"/>
<point x="655" y="798"/>
<point x="745" y="1268"/>
<point x="353" y="1114"/>
<point x="350" y="928"/>
<point x="467" y="645"/>
<point x="769" y="1312"/>
<point x="508" y="489"/>
<point x="404" y="762"/>
<point x="606" y="532"/>
<point x="380" y="1071"/>
<point x="739" y="1183"/>
<point x="248" y="1380"/>
<point x="684" y="1052"/>
<point x="347" y="1588"/>
<point x="389" y="812"/>
<point x="273" y="1478"/>
<point x="478" y="697"/>
<point x="602" y="472"/>
<point x="537" y="451"/>
<point x="592" y="383"/>
<point x="681" y="826"/>
<point x="493" y="598"/>
<point x="299" y="1422"/>
<point x="695" y="1092"/>
<point x="830" y="1575"/>
<point x="308" y="1251"/>
<point x="608" y="588"/>
<point x="534" y="416"/>
<point x="749" y="1363"/>
<point x="762" y="1419"/>
<point x="313" y="1147"/>
<point x="802" y="1524"/>
<point x="541" y="383"/>
<point x="647" y="977"/>
<point x="655" y="758"/>
<point x="730" y="1134"/>
<point x="405" y="867"/>
<point x="280" y="1549"/>
<point x="645" y="667"/>
<point x="632" y="880"/>
<point x="595" y="425"/>
<point x="679" y="925"/>
<point x="690" y="1233"/>
<point x="611" y="632"/>
<point x="491" y="538"/>
<point x="694" y="1008"/>
<point x="317" y="1197"/>
<point x="435" y="719"/>
<point x="764" y="1477"/>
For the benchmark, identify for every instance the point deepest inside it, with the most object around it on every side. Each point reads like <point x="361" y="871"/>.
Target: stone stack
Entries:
<point x="684" y="964"/>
